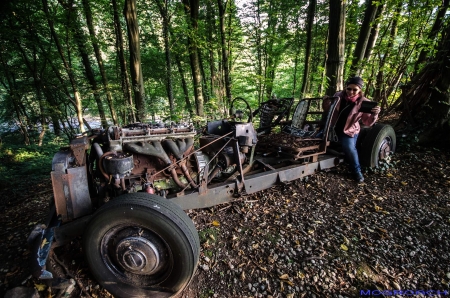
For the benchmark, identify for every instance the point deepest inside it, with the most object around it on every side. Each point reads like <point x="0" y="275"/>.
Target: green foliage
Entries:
<point x="33" y="162"/>
<point x="265" y="42"/>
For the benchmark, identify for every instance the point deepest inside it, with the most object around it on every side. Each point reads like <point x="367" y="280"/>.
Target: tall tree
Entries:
<point x="81" y="41"/>
<point x="336" y="45"/>
<point x="129" y="112"/>
<point x="225" y="63"/>
<point x="380" y="87"/>
<point x="191" y="8"/>
<point x="98" y="56"/>
<point x="363" y="38"/>
<point x="374" y="31"/>
<point x="77" y="98"/>
<point x="164" y="11"/>
<point x="137" y="79"/>
<point x="309" y="37"/>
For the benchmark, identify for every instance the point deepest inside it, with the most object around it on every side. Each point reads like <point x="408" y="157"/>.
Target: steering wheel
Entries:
<point x="239" y="113"/>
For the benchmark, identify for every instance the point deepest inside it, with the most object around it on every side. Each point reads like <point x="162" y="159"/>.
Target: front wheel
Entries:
<point x="142" y="245"/>
<point x="377" y="143"/>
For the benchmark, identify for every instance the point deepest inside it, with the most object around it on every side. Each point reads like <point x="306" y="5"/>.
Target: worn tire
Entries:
<point x="142" y="245"/>
<point x="377" y="143"/>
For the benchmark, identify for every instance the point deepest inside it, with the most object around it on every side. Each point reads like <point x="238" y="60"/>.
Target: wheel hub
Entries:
<point x="385" y="148"/>
<point x="138" y="255"/>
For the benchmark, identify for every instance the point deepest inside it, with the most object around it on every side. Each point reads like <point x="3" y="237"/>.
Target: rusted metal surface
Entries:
<point x="226" y="192"/>
<point x="70" y="187"/>
<point x="79" y="147"/>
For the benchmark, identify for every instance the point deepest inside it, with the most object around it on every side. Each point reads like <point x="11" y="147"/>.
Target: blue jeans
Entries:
<point x="351" y="154"/>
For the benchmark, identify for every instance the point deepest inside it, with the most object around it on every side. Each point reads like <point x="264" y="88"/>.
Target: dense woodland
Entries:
<point x="184" y="61"/>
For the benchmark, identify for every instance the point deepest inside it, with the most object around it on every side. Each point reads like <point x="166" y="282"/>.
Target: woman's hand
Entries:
<point x="376" y="110"/>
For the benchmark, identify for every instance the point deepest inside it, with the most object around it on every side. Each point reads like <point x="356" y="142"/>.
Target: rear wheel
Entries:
<point x="378" y="143"/>
<point x="142" y="245"/>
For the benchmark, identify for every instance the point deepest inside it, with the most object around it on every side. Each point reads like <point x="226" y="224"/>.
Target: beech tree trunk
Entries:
<point x="14" y="95"/>
<point x="309" y="30"/>
<point x="137" y="79"/>
<point x="163" y="10"/>
<point x="98" y="56"/>
<point x="336" y="46"/>
<point x="184" y="86"/>
<point x="76" y="101"/>
<point x="374" y="31"/>
<point x="130" y="115"/>
<point x="363" y="38"/>
<point x="191" y="8"/>
<point x="380" y="86"/>
<point x="79" y="37"/>
<point x="226" y="70"/>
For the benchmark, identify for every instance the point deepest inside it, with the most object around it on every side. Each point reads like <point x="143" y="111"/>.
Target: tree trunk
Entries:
<point x="125" y="82"/>
<point x="226" y="70"/>
<point x="163" y="10"/>
<point x="259" y="54"/>
<point x="98" y="56"/>
<point x="191" y="9"/>
<point x="380" y="80"/>
<point x="184" y="85"/>
<point x="336" y="45"/>
<point x="77" y="99"/>
<point x="137" y="79"/>
<point x="374" y="31"/>
<point x="211" y="23"/>
<point x="309" y="28"/>
<point x="363" y="38"/>
<point x="13" y="94"/>
<point x="204" y="81"/>
<point x="80" y="39"/>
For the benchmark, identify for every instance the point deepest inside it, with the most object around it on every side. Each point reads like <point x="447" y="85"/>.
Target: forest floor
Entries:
<point x="323" y="236"/>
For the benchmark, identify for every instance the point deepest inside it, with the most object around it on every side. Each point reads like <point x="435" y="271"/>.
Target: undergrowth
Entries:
<point x="23" y="166"/>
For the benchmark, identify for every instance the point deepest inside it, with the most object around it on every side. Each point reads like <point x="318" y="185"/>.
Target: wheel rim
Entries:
<point x="385" y="148"/>
<point x="136" y="255"/>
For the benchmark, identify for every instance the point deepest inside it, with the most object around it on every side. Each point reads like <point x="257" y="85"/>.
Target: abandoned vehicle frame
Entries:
<point x="124" y="189"/>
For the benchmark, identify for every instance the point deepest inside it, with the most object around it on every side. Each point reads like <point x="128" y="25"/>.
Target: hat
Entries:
<point x="356" y="81"/>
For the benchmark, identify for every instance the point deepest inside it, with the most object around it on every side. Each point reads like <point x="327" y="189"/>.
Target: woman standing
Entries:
<point x="347" y="125"/>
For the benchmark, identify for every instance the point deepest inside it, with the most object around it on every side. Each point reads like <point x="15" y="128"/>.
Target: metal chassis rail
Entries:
<point x="226" y="192"/>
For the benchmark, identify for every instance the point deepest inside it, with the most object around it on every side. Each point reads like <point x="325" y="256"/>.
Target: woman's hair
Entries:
<point x="356" y="81"/>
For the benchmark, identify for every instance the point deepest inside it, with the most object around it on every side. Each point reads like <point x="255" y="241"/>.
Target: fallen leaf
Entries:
<point x="215" y="223"/>
<point x="44" y="242"/>
<point x="404" y="183"/>
<point x="344" y="247"/>
<point x="346" y="241"/>
<point x="40" y="287"/>
<point x="289" y="282"/>
<point x="284" y="276"/>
